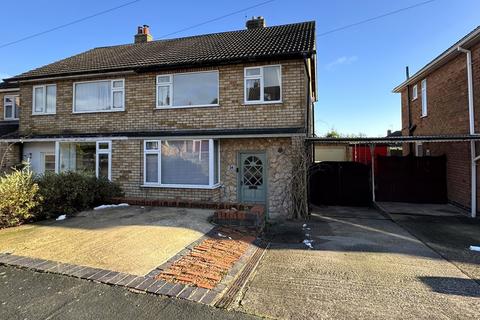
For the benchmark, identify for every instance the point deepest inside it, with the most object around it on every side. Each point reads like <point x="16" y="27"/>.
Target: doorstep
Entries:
<point x="153" y="282"/>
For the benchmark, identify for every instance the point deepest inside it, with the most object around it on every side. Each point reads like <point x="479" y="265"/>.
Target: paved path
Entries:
<point x="363" y="266"/>
<point x="26" y="294"/>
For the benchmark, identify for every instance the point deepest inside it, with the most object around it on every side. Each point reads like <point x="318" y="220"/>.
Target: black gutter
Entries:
<point x="175" y="133"/>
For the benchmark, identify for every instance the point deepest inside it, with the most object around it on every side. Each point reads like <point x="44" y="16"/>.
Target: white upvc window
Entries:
<point x="181" y="163"/>
<point x="93" y="157"/>
<point x="415" y="92"/>
<point x="99" y="96"/>
<point x="187" y="90"/>
<point x="44" y="99"/>
<point x="47" y="162"/>
<point x="263" y="84"/>
<point x="11" y="107"/>
<point x="103" y="160"/>
<point x="424" y="98"/>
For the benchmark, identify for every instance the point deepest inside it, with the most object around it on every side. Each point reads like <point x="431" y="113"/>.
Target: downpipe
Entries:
<point x="471" y="115"/>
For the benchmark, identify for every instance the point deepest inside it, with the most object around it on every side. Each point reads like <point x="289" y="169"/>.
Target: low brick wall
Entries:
<point x="182" y="203"/>
<point x="254" y="217"/>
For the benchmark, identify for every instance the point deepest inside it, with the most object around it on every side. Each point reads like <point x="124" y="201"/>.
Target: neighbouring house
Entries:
<point x="9" y="115"/>
<point x="443" y="99"/>
<point x="216" y="117"/>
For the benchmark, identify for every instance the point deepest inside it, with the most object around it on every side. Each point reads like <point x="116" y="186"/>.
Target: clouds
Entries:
<point x="341" y="61"/>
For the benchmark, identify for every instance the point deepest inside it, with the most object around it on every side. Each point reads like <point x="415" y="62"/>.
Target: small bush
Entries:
<point x="70" y="192"/>
<point x="19" y="197"/>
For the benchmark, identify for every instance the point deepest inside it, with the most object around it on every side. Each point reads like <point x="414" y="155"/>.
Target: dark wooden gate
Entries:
<point x="411" y="179"/>
<point x="340" y="183"/>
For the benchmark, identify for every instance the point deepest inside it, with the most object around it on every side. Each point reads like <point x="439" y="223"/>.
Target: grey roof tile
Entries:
<point x="292" y="40"/>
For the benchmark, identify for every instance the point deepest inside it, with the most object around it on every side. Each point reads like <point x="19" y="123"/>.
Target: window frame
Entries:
<point x="424" y="98"/>
<point x="44" y="112"/>
<point x="418" y="146"/>
<point x="171" y="86"/>
<point x="108" y="152"/>
<point x="414" y="92"/>
<point x="112" y="90"/>
<point x="211" y="166"/>
<point x="262" y="86"/>
<point x="97" y="152"/>
<point x="13" y="105"/>
<point x="43" y="155"/>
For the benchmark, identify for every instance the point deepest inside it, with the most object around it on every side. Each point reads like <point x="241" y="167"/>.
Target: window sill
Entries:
<point x="99" y="111"/>
<point x="44" y="114"/>
<point x="186" y="107"/>
<point x="11" y="119"/>
<point x="180" y="186"/>
<point x="421" y="117"/>
<point x="245" y="103"/>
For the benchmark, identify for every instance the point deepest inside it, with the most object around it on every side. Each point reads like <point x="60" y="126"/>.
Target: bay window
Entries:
<point x="193" y="89"/>
<point x="88" y="157"/>
<point x="181" y="163"/>
<point x="99" y="96"/>
<point x="44" y="99"/>
<point x="263" y="84"/>
<point x="11" y="107"/>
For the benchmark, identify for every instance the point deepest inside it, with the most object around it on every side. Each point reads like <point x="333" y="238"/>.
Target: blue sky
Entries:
<point x="357" y="67"/>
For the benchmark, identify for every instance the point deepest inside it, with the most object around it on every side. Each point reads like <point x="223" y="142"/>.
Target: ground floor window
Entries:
<point x="47" y="162"/>
<point x="181" y="163"/>
<point x="89" y="157"/>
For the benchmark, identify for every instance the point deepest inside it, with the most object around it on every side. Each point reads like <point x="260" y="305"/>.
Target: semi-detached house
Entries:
<point x="216" y="117"/>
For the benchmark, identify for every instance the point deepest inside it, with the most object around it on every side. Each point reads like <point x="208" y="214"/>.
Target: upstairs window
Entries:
<point x="11" y="107"/>
<point x="263" y="84"/>
<point x="414" y="92"/>
<point x="99" y="96"/>
<point x="424" y="98"/>
<point x="45" y="99"/>
<point x="193" y="89"/>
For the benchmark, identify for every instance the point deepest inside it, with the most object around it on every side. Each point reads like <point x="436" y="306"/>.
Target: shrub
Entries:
<point x="19" y="197"/>
<point x="70" y="192"/>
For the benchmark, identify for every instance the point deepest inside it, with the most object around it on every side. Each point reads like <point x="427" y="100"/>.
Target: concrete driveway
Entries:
<point x="363" y="266"/>
<point x="132" y="240"/>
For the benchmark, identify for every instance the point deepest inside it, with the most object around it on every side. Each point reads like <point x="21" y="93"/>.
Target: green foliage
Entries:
<point x="332" y="134"/>
<point x="70" y="192"/>
<point x="19" y="197"/>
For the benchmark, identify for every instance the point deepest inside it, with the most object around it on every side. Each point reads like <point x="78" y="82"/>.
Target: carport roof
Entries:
<point x="396" y="140"/>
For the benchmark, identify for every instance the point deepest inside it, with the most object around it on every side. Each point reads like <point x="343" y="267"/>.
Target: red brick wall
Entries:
<point x="447" y="96"/>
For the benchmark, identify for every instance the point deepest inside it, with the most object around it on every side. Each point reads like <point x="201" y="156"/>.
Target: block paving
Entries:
<point x="208" y="262"/>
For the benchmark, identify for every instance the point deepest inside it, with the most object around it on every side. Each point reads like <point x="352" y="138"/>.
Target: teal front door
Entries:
<point x="253" y="178"/>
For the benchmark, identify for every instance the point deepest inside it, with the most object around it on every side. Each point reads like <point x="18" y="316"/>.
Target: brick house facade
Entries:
<point x="9" y="152"/>
<point x="445" y="101"/>
<point x="203" y="152"/>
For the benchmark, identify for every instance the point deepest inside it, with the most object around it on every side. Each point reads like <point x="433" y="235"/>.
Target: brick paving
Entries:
<point x="208" y="262"/>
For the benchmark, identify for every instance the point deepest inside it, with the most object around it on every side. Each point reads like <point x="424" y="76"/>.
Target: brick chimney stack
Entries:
<point x="256" y="22"/>
<point x="143" y="34"/>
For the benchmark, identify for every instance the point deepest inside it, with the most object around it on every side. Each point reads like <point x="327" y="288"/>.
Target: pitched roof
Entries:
<point x="466" y="42"/>
<point x="285" y="41"/>
<point x="8" y="128"/>
<point x="4" y="86"/>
